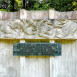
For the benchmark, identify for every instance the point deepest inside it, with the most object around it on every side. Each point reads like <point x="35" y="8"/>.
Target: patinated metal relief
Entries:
<point x="37" y="49"/>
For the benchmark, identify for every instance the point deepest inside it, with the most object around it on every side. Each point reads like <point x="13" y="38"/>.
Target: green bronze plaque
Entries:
<point x="37" y="49"/>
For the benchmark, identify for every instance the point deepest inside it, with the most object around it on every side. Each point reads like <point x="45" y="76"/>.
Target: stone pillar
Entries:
<point x="51" y="59"/>
<point x="1" y="15"/>
<point x="51" y="14"/>
<point x="23" y="14"/>
<point x="22" y="63"/>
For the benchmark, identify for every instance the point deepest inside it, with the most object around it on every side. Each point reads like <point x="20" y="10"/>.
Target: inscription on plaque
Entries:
<point x="37" y="49"/>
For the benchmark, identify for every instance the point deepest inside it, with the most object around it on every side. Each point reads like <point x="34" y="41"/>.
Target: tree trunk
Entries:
<point x="12" y="2"/>
<point x="24" y="4"/>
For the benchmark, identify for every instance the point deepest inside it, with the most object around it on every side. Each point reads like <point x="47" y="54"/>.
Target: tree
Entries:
<point x="24" y="3"/>
<point x="15" y="5"/>
<point x="59" y="5"/>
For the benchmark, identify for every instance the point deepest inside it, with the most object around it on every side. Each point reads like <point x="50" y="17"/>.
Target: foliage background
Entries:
<point x="59" y="5"/>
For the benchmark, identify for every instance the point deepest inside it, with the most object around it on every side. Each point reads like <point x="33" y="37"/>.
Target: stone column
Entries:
<point x="51" y="14"/>
<point x="23" y="14"/>
<point x="22" y="63"/>
<point x="51" y="59"/>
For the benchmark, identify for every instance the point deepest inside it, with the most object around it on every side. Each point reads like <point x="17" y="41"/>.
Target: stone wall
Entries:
<point x="38" y="29"/>
<point x="9" y="15"/>
<point x="9" y="64"/>
<point x="62" y="15"/>
<point x="41" y="27"/>
<point x="49" y="14"/>
<point x="38" y="66"/>
<point x="36" y="26"/>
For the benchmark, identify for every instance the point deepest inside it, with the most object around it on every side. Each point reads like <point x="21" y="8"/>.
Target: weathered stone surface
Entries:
<point x="62" y="15"/>
<point x="41" y="14"/>
<point x="9" y="64"/>
<point x="9" y="15"/>
<point x="38" y="29"/>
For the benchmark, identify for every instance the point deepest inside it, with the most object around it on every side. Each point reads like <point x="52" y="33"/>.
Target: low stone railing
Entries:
<point x="49" y="14"/>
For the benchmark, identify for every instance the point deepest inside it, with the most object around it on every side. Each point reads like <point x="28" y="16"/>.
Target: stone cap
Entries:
<point x="48" y="14"/>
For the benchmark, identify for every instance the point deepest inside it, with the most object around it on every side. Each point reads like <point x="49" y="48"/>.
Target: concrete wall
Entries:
<point x="44" y="30"/>
<point x="9" y="65"/>
<point x="49" y="14"/>
<point x="58" y="66"/>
